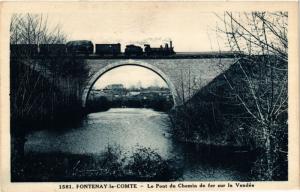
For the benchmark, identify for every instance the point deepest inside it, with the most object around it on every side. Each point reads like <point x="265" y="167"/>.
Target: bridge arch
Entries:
<point x="109" y="67"/>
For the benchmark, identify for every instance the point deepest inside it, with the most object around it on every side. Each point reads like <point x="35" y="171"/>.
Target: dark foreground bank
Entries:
<point x="143" y="165"/>
<point x="208" y="163"/>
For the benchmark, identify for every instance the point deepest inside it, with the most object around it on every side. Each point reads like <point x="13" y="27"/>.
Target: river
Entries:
<point x="128" y="129"/>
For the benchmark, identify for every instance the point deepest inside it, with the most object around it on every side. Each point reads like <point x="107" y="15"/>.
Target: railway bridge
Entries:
<point x="183" y="75"/>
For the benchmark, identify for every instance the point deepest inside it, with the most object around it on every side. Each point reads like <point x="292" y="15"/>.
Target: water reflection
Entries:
<point x="131" y="128"/>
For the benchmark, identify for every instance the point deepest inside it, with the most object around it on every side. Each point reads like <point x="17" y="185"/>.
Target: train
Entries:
<point x="108" y="49"/>
<point x="23" y="49"/>
<point x="86" y="47"/>
<point x="159" y="51"/>
<point x="80" y="47"/>
<point x="133" y="50"/>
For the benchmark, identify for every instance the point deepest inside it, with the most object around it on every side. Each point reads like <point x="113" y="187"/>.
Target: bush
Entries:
<point x="147" y="164"/>
<point x="144" y="164"/>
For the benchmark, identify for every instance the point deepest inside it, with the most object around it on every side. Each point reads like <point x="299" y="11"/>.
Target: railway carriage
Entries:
<point x="80" y="47"/>
<point x="133" y="50"/>
<point x="23" y="49"/>
<point x="108" y="49"/>
<point x="52" y="49"/>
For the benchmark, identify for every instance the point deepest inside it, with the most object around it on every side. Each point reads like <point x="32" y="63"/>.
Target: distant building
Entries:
<point x="114" y="87"/>
<point x="116" y="92"/>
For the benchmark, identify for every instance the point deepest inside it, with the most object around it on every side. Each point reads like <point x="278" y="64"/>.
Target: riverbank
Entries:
<point x="196" y="163"/>
<point x="223" y="113"/>
<point x="101" y="104"/>
<point x="143" y="165"/>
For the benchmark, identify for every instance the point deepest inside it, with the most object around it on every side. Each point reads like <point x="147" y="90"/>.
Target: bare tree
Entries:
<point x="30" y="28"/>
<point x="34" y="29"/>
<point x="32" y="96"/>
<point x="257" y="33"/>
<point x="260" y="85"/>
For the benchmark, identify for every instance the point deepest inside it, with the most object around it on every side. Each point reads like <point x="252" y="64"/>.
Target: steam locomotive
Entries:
<point x="159" y="51"/>
<point x="86" y="47"/>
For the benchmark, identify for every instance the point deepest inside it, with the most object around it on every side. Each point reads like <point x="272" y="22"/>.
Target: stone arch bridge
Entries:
<point x="184" y="76"/>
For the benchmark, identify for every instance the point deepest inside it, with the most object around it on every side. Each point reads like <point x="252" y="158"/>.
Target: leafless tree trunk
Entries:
<point x="262" y="37"/>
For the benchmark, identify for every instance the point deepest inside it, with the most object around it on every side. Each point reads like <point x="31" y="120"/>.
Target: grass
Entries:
<point x="144" y="164"/>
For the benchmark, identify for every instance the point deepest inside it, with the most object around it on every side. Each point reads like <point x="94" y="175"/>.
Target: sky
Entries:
<point x="116" y="76"/>
<point x="190" y="30"/>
